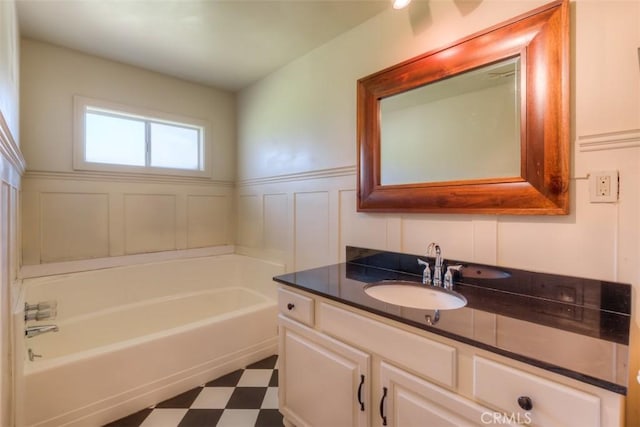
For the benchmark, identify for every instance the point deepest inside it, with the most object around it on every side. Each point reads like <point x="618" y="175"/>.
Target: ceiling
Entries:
<point x="227" y="44"/>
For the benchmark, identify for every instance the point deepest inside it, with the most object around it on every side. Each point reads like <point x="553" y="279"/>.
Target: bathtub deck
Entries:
<point x="244" y="398"/>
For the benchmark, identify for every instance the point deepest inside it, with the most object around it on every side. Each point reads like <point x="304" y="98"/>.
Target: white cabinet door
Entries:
<point x="323" y="382"/>
<point x="406" y="400"/>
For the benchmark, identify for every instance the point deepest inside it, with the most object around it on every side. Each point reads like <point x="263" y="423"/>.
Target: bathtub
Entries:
<point x="132" y="336"/>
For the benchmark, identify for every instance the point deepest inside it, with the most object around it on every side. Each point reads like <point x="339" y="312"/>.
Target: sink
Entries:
<point x="415" y="295"/>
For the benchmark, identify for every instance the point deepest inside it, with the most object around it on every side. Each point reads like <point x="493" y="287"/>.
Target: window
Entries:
<point x="119" y="138"/>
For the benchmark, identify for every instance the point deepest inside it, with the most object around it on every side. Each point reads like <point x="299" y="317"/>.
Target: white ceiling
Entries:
<point x="223" y="43"/>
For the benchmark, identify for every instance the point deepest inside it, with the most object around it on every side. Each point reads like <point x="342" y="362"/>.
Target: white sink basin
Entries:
<point x="411" y="294"/>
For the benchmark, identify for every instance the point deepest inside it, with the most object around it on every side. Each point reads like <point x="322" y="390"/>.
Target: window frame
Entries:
<point x="82" y="105"/>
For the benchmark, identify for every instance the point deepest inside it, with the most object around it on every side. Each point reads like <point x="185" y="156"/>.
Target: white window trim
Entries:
<point x="80" y="105"/>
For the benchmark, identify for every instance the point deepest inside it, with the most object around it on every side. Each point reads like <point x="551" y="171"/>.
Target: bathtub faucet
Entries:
<point x="39" y="315"/>
<point x="43" y="305"/>
<point x="41" y="311"/>
<point x="32" y="331"/>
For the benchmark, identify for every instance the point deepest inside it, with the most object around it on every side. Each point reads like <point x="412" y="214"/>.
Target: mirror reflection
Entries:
<point x="466" y="127"/>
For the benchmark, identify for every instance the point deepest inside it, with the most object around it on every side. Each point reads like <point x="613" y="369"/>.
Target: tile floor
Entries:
<point x="244" y="398"/>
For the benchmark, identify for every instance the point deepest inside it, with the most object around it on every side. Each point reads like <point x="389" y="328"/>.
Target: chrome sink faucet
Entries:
<point x="437" y="268"/>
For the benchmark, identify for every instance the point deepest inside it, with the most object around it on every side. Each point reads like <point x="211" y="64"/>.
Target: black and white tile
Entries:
<point x="244" y="398"/>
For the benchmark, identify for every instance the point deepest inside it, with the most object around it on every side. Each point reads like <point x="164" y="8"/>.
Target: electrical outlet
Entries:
<point x="603" y="186"/>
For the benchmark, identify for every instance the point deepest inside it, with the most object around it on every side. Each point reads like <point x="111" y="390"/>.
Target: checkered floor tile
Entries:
<point x="244" y="398"/>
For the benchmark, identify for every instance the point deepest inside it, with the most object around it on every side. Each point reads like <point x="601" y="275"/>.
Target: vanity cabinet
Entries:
<point x="323" y="382"/>
<point x="341" y="366"/>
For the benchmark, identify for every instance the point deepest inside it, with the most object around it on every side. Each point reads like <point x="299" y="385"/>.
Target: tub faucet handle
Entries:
<point x="40" y="314"/>
<point x="40" y="311"/>
<point x="42" y="305"/>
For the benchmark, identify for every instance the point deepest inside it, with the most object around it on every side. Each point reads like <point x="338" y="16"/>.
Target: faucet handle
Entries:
<point x="426" y="273"/>
<point x="449" y="275"/>
<point x="37" y="315"/>
<point x="40" y="311"/>
<point x="42" y="305"/>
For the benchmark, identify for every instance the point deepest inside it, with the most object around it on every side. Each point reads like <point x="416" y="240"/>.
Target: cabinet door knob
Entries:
<point x="525" y="403"/>
<point x="290" y="306"/>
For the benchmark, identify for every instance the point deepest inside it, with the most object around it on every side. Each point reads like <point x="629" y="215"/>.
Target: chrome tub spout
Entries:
<point x="32" y="331"/>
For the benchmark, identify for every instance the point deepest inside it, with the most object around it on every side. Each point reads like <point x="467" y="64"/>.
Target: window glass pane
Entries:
<point x="175" y="147"/>
<point x="115" y="140"/>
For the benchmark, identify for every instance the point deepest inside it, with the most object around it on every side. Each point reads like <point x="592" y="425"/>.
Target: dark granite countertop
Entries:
<point x="571" y="326"/>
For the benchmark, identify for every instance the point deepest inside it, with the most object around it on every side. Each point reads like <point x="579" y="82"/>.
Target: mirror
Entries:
<point x="480" y="126"/>
<point x="421" y="139"/>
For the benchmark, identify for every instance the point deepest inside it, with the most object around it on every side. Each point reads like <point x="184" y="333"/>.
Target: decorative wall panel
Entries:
<point x="249" y="221"/>
<point x="74" y="225"/>
<point x="207" y="221"/>
<point x="357" y="226"/>
<point x="149" y="223"/>
<point x="312" y="230"/>
<point x="84" y="216"/>
<point x="276" y="223"/>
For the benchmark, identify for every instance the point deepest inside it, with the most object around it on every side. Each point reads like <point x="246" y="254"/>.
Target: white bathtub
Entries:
<point x="132" y="336"/>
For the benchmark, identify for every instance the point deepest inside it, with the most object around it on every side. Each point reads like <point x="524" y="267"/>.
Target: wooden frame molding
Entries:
<point x="541" y="39"/>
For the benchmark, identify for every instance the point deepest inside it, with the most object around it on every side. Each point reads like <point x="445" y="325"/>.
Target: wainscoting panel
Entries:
<point x="276" y="224"/>
<point x="74" y="225"/>
<point x="359" y="226"/>
<point x="149" y="223"/>
<point x="250" y="220"/>
<point x="294" y="220"/>
<point x="454" y="234"/>
<point x="74" y="217"/>
<point x="207" y="221"/>
<point x="312" y="230"/>
<point x="593" y="241"/>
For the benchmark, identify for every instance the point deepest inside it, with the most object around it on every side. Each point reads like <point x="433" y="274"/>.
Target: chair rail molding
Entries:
<point x="121" y="177"/>
<point x="615" y="140"/>
<point x="300" y="176"/>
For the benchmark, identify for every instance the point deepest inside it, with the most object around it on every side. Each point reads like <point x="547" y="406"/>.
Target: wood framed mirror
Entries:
<point x="530" y="53"/>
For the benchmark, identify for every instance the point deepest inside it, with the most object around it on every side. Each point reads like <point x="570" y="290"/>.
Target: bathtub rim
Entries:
<point x="53" y="269"/>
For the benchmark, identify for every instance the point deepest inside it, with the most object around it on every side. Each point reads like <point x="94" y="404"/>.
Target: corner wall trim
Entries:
<point x="609" y="140"/>
<point x="8" y="147"/>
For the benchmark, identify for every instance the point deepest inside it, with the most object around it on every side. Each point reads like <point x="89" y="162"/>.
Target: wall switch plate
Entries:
<point x="603" y="186"/>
